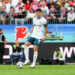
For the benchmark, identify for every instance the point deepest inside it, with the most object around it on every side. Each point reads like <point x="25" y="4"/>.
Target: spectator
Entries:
<point x="45" y="5"/>
<point x="57" y="9"/>
<point x="50" y="4"/>
<point x="6" y="1"/>
<point x="1" y="4"/>
<point x="74" y="3"/>
<point x="11" y="15"/>
<point x="3" y="15"/>
<point x="52" y="12"/>
<point x="58" y="57"/>
<point x="14" y="2"/>
<point x="62" y="15"/>
<point x="45" y="9"/>
<point x="35" y="5"/>
<point x="30" y="16"/>
<point x="55" y="1"/>
<point x="39" y="7"/>
<point x="58" y="5"/>
<point x="21" y="2"/>
<point x="52" y="17"/>
<point x="21" y="16"/>
<point x="2" y="45"/>
<point x="17" y="8"/>
<point x="24" y="1"/>
<point x="8" y="4"/>
<point x="62" y="3"/>
<point x="70" y="3"/>
<point x="66" y="5"/>
<point x="17" y="52"/>
<point x="70" y="15"/>
<point x="27" y="5"/>
<point x="37" y="0"/>
<point x="47" y="1"/>
<point x="41" y="2"/>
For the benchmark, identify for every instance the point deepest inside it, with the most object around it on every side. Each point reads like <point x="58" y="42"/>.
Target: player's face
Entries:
<point x="38" y="14"/>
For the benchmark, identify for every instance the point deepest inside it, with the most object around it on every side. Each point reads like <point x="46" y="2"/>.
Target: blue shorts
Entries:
<point x="34" y="41"/>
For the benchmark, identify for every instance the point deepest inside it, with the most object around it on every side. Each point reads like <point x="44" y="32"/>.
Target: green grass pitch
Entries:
<point x="39" y="70"/>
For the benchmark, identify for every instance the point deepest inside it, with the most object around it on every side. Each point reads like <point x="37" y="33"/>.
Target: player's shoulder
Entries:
<point x="43" y="18"/>
<point x="34" y="18"/>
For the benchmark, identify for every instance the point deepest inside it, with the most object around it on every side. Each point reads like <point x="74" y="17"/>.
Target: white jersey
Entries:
<point x="39" y="24"/>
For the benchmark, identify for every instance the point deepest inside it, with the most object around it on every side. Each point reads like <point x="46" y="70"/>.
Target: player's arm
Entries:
<point x="46" y="30"/>
<point x="30" y="31"/>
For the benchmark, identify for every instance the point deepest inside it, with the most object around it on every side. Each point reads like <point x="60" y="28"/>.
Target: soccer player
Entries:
<point x="39" y="31"/>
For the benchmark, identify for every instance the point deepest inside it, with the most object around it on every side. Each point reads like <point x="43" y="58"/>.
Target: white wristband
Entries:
<point x="43" y="36"/>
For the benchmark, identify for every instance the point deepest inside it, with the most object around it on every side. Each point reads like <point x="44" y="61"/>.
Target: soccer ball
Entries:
<point x="20" y="65"/>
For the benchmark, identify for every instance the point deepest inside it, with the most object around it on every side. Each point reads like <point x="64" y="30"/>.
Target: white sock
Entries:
<point x="35" y="57"/>
<point x="26" y="52"/>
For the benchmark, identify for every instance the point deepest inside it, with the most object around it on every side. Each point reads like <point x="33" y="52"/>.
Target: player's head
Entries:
<point x="38" y="13"/>
<point x="1" y="31"/>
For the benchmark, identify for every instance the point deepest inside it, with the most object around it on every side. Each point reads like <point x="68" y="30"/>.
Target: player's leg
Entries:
<point x="36" y="46"/>
<point x="35" y="55"/>
<point x="26" y="49"/>
<point x="26" y="52"/>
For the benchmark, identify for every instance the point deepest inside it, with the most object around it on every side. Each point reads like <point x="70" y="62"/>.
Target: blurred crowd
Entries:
<point x="23" y="11"/>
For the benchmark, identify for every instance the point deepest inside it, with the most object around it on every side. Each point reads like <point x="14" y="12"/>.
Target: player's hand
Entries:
<point x="43" y="39"/>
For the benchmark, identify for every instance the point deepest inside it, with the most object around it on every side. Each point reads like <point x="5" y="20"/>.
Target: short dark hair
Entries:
<point x="39" y="10"/>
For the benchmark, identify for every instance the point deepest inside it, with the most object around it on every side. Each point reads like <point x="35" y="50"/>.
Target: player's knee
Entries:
<point x="36" y="48"/>
<point x="27" y="44"/>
